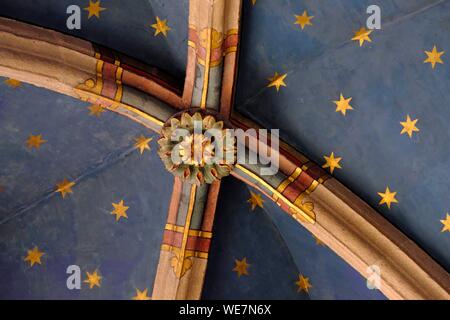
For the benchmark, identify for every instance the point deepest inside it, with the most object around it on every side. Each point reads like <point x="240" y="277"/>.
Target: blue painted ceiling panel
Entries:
<point x="98" y="154"/>
<point x="387" y="80"/>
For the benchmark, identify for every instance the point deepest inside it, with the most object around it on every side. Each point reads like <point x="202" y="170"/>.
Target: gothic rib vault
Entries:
<point x="319" y="202"/>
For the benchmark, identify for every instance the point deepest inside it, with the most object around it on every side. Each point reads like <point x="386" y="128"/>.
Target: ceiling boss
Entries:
<point x="197" y="148"/>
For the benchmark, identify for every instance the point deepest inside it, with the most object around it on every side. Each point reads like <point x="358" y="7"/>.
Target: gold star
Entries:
<point x="253" y="2"/>
<point x="409" y="126"/>
<point x="94" y="9"/>
<point x="362" y="35"/>
<point x="303" y="20"/>
<point x="93" y="279"/>
<point x="35" y="141"/>
<point x="120" y="210"/>
<point x="96" y="110"/>
<point x="241" y="267"/>
<point x="256" y="200"/>
<point x="303" y="284"/>
<point x="65" y="187"/>
<point x="142" y="143"/>
<point x="387" y="197"/>
<point x="277" y="81"/>
<point x="446" y="223"/>
<point x="141" y="295"/>
<point x="343" y="104"/>
<point x="332" y="162"/>
<point x="34" y="256"/>
<point x="434" y="57"/>
<point x="160" y="27"/>
<point x="13" y="83"/>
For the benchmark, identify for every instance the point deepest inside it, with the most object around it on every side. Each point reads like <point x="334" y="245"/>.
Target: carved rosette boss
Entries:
<point x="197" y="148"/>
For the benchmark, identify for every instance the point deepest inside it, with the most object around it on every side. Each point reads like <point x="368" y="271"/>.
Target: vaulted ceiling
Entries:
<point x="386" y="79"/>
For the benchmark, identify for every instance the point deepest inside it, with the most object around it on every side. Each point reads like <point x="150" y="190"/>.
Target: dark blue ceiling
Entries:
<point x="98" y="154"/>
<point x="387" y="79"/>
